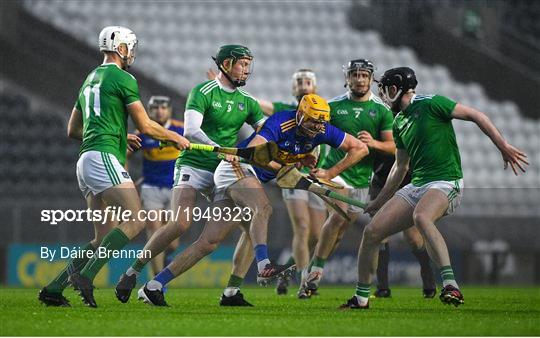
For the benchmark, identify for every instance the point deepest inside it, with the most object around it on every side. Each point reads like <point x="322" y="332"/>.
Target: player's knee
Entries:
<point x="372" y="235"/>
<point x="265" y="211"/>
<point x="421" y="219"/>
<point x="301" y="229"/>
<point x="299" y="220"/>
<point x="207" y="246"/>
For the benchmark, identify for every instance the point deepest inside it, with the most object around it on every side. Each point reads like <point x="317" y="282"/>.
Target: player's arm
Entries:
<point x="396" y="176"/>
<point x="385" y="145"/>
<point x="266" y="106"/>
<point x="153" y="129"/>
<point x="510" y="154"/>
<point x="75" y="125"/>
<point x="258" y="140"/>
<point x="355" y="151"/>
<point x="192" y="128"/>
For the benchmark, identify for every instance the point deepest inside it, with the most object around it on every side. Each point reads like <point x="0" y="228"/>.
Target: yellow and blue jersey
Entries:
<point x="158" y="164"/>
<point x="283" y="130"/>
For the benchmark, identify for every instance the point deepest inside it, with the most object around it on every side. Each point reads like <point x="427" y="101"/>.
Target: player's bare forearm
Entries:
<point x="75" y="125"/>
<point x="384" y="145"/>
<point x="387" y="147"/>
<point x="482" y="121"/>
<point x="355" y="152"/>
<point x="267" y="107"/>
<point x="396" y="176"/>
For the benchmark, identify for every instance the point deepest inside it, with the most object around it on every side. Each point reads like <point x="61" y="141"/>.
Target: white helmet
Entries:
<point x="303" y="74"/>
<point x="111" y="37"/>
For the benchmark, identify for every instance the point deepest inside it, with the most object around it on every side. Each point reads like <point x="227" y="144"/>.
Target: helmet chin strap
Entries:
<point x="124" y="58"/>
<point x="236" y="83"/>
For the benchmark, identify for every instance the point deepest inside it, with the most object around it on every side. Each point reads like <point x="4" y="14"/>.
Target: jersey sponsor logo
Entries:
<point x="342" y="112"/>
<point x="216" y="104"/>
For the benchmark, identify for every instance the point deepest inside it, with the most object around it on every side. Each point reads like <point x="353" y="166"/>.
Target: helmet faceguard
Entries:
<point x="233" y="53"/>
<point x="298" y="83"/>
<point x="112" y="37"/>
<point x="354" y="66"/>
<point x="403" y="78"/>
<point x="312" y="114"/>
<point x="157" y="102"/>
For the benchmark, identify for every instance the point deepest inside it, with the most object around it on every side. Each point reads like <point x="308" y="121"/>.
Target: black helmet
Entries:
<point x="359" y="64"/>
<point x="401" y="77"/>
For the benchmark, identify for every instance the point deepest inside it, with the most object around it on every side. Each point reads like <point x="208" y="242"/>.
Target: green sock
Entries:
<point x="235" y="281"/>
<point x="447" y="276"/>
<point x="61" y="281"/>
<point x="362" y="290"/>
<point x="290" y="261"/>
<point x="318" y="262"/>
<point x="114" y="240"/>
<point x="138" y="265"/>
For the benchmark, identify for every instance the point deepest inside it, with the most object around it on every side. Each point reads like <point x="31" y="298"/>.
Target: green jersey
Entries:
<point x="102" y="101"/>
<point x="281" y="106"/>
<point x="352" y="117"/>
<point x="425" y="131"/>
<point x="224" y="113"/>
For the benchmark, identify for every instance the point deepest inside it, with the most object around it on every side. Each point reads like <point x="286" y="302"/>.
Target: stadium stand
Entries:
<point x="176" y="50"/>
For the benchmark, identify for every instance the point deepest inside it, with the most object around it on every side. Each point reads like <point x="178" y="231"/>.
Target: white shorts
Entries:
<point x="155" y="198"/>
<point x="227" y="174"/>
<point x="98" y="171"/>
<point x="313" y="200"/>
<point x="360" y="194"/>
<point x="199" y="179"/>
<point x="452" y="189"/>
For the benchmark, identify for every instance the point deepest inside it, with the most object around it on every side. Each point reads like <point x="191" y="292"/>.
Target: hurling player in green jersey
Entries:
<point x="107" y="97"/>
<point x="426" y="141"/>
<point x="358" y="112"/>
<point x="215" y="112"/>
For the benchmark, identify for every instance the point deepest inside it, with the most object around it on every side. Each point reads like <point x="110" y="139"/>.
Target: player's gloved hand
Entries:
<point x="514" y="156"/>
<point x="366" y="138"/>
<point x="134" y="142"/>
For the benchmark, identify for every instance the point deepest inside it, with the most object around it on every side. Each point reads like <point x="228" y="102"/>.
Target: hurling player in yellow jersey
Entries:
<point x="426" y="141"/>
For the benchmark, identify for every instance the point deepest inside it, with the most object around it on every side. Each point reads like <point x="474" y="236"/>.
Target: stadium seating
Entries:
<point x="177" y="40"/>
<point x="41" y="163"/>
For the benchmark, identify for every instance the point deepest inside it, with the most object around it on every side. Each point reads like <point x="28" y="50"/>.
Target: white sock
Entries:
<point x="362" y="300"/>
<point x="230" y="291"/>
<point x="262" y="264"/>
<point x="132" y="271"/>
<point x="450" y="282"/>
<point x="154" y="285"/>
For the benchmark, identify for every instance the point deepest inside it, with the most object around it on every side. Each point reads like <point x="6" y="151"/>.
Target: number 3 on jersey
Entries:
<point x="92" y="89"/>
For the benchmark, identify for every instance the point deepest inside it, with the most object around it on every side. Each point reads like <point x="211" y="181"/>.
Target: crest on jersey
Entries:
<point x="372" y="113"/>
<point x="241" y="106"/>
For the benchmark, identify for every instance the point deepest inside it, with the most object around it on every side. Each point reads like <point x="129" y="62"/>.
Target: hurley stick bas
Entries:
<point x="289" y="177"/>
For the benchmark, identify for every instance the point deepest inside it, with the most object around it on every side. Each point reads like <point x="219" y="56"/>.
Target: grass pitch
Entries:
<point x="195" y="312"/>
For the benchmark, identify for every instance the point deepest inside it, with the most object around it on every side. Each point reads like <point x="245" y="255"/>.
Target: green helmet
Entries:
<point x="235" y="53"/>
